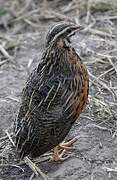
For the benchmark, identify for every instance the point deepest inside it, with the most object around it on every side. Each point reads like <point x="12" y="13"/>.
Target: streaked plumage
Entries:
<point x="53" y="96"/>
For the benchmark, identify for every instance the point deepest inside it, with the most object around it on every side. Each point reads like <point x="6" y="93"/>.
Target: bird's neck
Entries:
<point x="60" y="60"/>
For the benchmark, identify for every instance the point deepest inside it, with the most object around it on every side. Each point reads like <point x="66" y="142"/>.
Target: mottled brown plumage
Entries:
<point x="54" y="95"/>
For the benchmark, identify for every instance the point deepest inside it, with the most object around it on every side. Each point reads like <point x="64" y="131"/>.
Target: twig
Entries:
<point x="10" y="138"/>
<point x="28" y="2"/>
<point x="13" y="165"/>
<point x="5" y="137"/>
<point x="89" y="26"/>
<point x="97" y="126"/>
<point x="31" y="177"/>
<point x="109" y="59"/>
<point x="44" y="159"/>
<point x="68" y="7"/>
<point x="58" y="15"/>
<point x="101" y="33"/>
<point x="103" y="85"/>
<point x="106" y="17"/>
<point x="110" y="169"/>
<point x="35" y="25"/>
<point x="114" y="88"/>
<point x="28" y="14"/>
<point x="35" y="169"/>
<point x="88" y="11"/>
<point x="5" y="53"/>
<point x="3" y="62"/>
<point x="106" y="72"/>
<point x="106" y="56"/>
<point x="14" y="99"/>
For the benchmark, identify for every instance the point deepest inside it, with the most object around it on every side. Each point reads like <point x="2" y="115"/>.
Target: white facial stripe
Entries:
<point x="53" y="28"/>
<point x="50" y="31"/>
<point x="61" y="32"/>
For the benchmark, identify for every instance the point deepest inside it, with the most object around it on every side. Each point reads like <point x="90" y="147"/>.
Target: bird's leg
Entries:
<point x="35" y="169"/>
<point x="58" y="155"/>
<point x="68" y="145"/>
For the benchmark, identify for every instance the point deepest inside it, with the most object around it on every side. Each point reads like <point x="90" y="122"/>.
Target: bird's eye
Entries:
<point x="69" y="30"/>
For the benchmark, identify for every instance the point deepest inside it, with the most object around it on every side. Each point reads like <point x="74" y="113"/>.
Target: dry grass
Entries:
<point x="97" y="16"/>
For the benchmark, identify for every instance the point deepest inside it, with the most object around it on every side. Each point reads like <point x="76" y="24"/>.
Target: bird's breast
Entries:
<point x="79" y="85"/>
<point x="72" y="57"/>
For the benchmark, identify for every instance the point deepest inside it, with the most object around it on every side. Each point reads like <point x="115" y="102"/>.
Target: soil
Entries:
<point x="96" y="149"/>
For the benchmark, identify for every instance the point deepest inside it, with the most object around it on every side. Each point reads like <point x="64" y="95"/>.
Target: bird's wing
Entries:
<point x="41" y="105"/>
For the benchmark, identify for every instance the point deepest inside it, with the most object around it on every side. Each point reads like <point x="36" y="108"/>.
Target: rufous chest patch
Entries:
<point x="72" y="56"/>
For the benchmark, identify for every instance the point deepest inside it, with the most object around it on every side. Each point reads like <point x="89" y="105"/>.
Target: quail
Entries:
<point x="53" y="97"/>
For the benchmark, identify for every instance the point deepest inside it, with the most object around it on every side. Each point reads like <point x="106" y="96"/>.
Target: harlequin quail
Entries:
<point x="53" y="97"/>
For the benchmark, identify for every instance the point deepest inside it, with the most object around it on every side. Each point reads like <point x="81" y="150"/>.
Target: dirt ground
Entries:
<point x="23" y="26"/>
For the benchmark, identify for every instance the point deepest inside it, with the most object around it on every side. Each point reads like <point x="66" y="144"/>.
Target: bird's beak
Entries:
<point x="75" y="28"/>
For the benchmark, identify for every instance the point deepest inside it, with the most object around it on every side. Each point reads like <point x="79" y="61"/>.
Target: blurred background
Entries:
<point x="23" y="27"/>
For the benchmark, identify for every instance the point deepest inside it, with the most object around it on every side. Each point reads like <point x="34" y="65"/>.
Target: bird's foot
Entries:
<point x="68" y="145"/>
<point x="59" y="156"/>
<point x="62" y="149"/>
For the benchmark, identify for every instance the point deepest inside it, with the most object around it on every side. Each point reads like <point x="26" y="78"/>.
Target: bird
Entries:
<point x="53" y="97"/>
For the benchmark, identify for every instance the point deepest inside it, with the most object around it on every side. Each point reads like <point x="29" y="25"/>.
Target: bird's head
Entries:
<point x="61" y="31"/>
